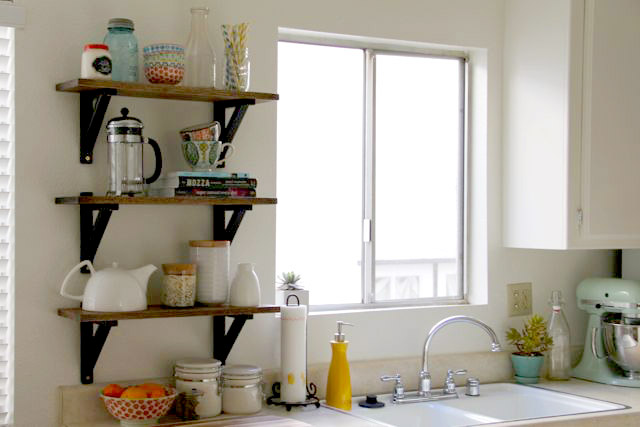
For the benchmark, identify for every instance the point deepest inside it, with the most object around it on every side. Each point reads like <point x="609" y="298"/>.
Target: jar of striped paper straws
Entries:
<point x="236" y="53"/>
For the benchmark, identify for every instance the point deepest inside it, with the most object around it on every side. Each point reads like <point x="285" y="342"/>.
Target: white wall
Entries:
<point x="48" y="51"/>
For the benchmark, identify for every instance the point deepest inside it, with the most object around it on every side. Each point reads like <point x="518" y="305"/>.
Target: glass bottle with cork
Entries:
<point x="559" y="357"/>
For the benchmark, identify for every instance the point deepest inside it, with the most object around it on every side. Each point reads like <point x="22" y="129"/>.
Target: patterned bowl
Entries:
<point x="162" y="48"/>
<point x="203" y="132"/>
<point x="140" y="412"/>
<point x="164" y="63"/>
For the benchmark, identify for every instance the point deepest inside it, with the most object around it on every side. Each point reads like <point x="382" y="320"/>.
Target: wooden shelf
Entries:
<point x="126" y="200"/>
<point x="159" y="311"/>
<point x="141" y="90"/>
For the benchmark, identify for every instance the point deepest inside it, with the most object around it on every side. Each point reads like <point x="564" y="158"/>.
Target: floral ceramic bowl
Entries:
<point x="140" y="412"/>
<point x="164" y="63"/>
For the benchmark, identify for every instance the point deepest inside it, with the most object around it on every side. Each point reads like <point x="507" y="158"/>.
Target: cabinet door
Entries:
<point x="611" y="124"/>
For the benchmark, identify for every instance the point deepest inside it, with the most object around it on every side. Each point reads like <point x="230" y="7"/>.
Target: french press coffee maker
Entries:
<point x="124" y="135"/>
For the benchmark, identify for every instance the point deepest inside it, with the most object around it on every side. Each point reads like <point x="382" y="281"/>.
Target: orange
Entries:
<point x="153" y="389"/>
<point x="156" y="393"/>
<point x="134" y="392"/>
<point x="112" y="390"/>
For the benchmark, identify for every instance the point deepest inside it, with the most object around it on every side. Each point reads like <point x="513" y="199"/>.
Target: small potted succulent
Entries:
<point x="289" y="285"/>
<point x="531" y="343"/>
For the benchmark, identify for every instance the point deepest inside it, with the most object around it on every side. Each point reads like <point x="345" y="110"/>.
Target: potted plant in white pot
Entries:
<point x="531" y="343"/>
<point x="289" y="286"/>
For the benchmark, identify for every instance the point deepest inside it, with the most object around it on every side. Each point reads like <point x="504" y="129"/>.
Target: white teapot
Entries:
<point x="113" y="288"/>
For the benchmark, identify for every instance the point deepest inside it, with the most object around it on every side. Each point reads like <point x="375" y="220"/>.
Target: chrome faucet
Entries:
<point x="449" y="389"/>
<point x="424" y="384"/>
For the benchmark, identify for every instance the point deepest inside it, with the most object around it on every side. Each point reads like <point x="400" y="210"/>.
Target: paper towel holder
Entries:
<point x="312" y="398"/>
<point x="294" y="296"/>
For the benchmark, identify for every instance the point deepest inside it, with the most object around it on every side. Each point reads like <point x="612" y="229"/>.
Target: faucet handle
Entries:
<point x="451" y="372"/>
<point x="424" y="384"/>
<point x="398" y="389"/>
<point x="449" y="383"/>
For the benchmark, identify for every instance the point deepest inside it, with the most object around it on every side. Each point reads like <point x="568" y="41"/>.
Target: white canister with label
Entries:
<point x="202" y="375"/>
<point x="241" y="389"/>
<point x="212" y="259"/>
<point x="96" y="62"/>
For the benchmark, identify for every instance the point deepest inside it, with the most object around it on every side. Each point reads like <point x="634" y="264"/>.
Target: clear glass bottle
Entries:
<point x="200" y="59"/>
<point x="559" y="357"/>
<point x="123" y="47"/>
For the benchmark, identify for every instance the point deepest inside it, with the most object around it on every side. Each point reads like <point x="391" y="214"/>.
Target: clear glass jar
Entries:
<point x="201" y="375"/>
<point x="179" y="285"/>
<point x="123" y="47"/>
<point x="242" y="389"/>
<point x="236" y="71"/>
<point x="200" y="59"/>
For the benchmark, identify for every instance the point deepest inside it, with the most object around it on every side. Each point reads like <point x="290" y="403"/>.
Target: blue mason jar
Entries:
<point x="123" y="47"/>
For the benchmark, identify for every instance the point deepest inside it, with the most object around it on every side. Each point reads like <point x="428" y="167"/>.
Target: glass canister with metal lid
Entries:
<point x="123" y="47"/>
<point x="242" y="389"/>
<point x="124" y="135"/>
<point x="202" y="375"/>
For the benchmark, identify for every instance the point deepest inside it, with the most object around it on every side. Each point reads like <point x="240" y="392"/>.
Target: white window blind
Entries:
<point x="7" y="188"/>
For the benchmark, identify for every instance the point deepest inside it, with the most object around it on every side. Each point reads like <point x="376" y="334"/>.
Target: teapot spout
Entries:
<point x="142" y="275"/>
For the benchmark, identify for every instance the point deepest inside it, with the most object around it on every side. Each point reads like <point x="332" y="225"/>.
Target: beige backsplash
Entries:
<point x="80" y="403"/>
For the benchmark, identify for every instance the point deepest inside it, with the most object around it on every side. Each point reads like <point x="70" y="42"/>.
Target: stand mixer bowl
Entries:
<point x="621" y="342"/>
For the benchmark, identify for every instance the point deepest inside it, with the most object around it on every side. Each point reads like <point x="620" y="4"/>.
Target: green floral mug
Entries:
<point x="205" y="155"/>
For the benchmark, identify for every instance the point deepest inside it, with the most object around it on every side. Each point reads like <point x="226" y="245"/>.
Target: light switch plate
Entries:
<point x="519" y="301"/>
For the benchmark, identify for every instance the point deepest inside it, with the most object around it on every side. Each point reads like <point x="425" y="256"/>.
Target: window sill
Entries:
<point x="321" y="310"/>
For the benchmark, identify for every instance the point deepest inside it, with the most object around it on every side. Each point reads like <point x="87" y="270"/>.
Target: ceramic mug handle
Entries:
<point x="85" y="263"/>
<point x="230" y="151"/>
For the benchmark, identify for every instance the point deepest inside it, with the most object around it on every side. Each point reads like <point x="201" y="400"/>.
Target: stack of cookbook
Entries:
<point x="204" y="184"/>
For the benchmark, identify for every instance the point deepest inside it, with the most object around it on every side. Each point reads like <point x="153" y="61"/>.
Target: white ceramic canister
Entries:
<point x="202" y="375"/>
<point x="96" y="62"/>
<point x="242" y="389"/>
<point x="212" y="259"/>
<point x="245" y="289"/>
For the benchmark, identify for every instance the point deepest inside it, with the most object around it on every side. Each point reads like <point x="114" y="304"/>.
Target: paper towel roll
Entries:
<point x="293" y="353"/>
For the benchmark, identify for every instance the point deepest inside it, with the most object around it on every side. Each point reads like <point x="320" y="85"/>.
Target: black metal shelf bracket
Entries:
<point x="223" y="230"/>
<point x="229" y="128"/>
<point x="93" y="106"/>
<point x="223" y="340"/>
<point x="91" y="231"/>
<point x="91" y="343"/>
<point x="93" y="336"/>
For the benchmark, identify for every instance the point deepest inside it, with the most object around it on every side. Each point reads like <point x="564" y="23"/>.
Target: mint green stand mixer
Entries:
<point x="612" y="348"/>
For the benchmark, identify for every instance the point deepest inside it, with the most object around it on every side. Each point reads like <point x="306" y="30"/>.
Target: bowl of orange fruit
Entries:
<point x="138" y="405"/>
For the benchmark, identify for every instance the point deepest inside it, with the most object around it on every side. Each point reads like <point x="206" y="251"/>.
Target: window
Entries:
<point x="370" y="179"/>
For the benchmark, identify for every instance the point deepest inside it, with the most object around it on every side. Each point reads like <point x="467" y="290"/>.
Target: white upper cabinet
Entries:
<point x="571" y="140"/>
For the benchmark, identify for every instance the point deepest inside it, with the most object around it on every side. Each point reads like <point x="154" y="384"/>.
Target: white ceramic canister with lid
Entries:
<point x="212" y="259"/>
<point x="242" y="389"/>
<point x="202" y="375"/>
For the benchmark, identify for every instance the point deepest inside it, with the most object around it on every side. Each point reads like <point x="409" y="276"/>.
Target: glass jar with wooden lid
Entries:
<point x="179" y="285"/>
<point x="212" y="259"/>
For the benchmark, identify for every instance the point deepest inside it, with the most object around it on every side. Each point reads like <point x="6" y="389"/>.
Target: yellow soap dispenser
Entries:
<point x="339" y="380"/>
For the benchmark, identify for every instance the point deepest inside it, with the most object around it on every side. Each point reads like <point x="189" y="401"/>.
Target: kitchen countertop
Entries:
<point x="325" y="417"/>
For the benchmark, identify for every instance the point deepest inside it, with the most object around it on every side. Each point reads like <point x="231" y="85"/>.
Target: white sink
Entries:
<point x="496" y="403"/>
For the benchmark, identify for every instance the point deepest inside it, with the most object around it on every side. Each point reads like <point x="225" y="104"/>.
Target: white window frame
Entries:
<point x="373" y="47"/>
<point x="7" y="254"/>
